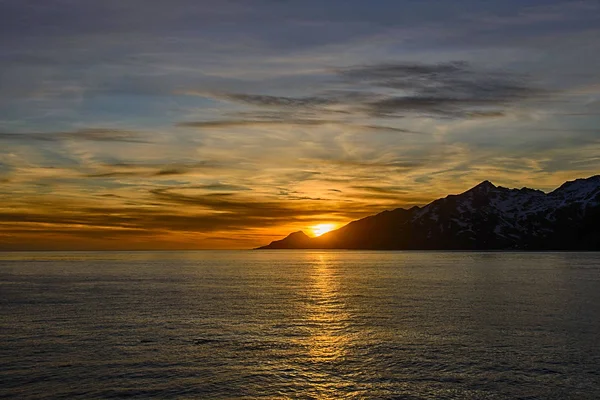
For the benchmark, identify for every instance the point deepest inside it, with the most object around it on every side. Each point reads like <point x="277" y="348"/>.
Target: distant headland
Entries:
<point x="485" y="217"/>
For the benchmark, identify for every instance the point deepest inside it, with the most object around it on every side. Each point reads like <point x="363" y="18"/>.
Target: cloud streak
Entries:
<point x="402" y="89"/>
<point x="89" y="134"/>
<point x="129" y="170"/>
<point x="282" y="121"/>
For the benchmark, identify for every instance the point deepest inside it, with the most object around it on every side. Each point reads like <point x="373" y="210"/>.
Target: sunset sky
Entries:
<point x="191" y="124"/>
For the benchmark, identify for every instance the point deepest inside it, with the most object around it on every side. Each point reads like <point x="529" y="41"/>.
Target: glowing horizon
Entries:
<point x="321" y="229"/>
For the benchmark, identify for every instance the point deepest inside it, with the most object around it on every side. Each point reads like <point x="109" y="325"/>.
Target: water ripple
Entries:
<point x="301" y="325"/>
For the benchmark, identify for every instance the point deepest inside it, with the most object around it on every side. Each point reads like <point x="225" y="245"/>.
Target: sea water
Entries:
<point x="300" y="324"/>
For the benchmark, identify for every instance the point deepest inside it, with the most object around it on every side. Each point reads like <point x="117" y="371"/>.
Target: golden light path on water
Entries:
<point x="327" y="321"/>
<point x="327" y="313"/>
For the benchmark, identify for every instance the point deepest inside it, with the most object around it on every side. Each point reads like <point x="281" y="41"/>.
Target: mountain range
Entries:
<point x="485" y="217"/>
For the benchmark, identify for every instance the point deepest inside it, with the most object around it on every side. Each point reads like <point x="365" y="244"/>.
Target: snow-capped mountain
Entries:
<point x="484" y="217"/>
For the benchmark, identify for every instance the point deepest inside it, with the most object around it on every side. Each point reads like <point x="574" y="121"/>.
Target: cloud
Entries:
<point x="241" y="207"/>
<point x="124" y="170"/>
<point x="194" y="209"/>
<point x="381" y="189"/>
<point x="90" y="134"/>
<point x="545" y="13"/>
<point x="394" y="90"/>
<point x="452" y="89"/>
<point x="282" y="121"/>
<point x="252" y="122"/>
<point x="278" y="101"/>
<point x="363" y="165"/>
<point x="222" y="186"/>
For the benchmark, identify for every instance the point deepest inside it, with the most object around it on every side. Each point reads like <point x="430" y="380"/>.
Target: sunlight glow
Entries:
<point x="320" y="229"/>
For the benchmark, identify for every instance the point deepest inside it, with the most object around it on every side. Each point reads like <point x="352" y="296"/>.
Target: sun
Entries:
<point x="320" y="229"/>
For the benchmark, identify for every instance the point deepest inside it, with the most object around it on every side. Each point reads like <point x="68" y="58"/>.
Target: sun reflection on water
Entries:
<point x="327" y="322"/>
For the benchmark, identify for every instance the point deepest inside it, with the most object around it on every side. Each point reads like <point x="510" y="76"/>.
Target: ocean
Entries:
<point x="300" y="325"/>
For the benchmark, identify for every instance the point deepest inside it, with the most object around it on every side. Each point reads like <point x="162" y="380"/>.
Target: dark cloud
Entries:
<point x="384" y="128"/>
<point x="118" y="174"/>
<point x="221" y="186"/>
<point x="171" y="171"/>
<point x="91" y="134"/>
<point x="252" y="122"/>
<point x="123" y="170"/>
<point x="398" y="74"/>
<point x="279" y="101"/>
<point x="448" y="90"/>
<point x="381" y="189"/>
<point x="236" y="123"/>
<point x="103" y="135"/>
<point x="454" y="89"/>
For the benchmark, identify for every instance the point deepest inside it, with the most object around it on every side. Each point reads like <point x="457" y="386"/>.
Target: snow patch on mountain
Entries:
<point x="510" y="214"/>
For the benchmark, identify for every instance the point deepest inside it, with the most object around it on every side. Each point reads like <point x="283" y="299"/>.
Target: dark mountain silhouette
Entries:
<point x="485" y="217"/>
<point x="296" y="240"/>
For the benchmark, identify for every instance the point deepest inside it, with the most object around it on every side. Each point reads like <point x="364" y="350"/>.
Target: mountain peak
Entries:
<point x="483" y="187"/>
<point x="486" y="184"/>
<point x="297" y="235"/>
<point x="295" y="240"/>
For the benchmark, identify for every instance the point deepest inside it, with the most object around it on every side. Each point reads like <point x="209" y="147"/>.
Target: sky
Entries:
<point x="197" y="124"/>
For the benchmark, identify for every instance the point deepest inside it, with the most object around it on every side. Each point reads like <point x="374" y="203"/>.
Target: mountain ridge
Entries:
<point x="484" y="217"/>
